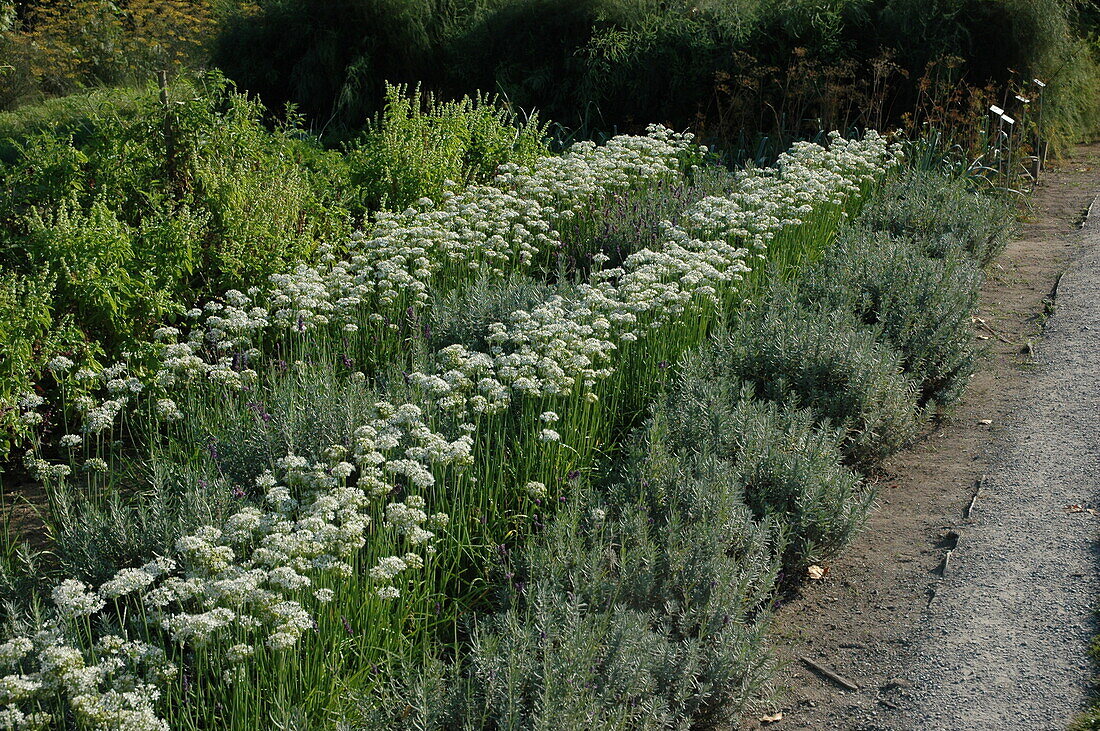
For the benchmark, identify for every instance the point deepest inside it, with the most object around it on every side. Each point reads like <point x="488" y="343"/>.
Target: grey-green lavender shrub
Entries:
<point x="94" y="539"/>
<point x="621" y="225"/>
<point x="21" y="570"/>
<point x="941" y="215"/>
<point x="303" y="411"/>
<point x="635" y="615"/>
<point x="922" y="307"/>
<point x="786" y="465"/>
<point x="825" y="361"/>
<point x="563" y="664"/>
<point x="463" y="315"/>
<point x="644" y="608"/>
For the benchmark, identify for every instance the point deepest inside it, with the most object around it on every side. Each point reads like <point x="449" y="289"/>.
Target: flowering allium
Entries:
<point x="72" y="599"/>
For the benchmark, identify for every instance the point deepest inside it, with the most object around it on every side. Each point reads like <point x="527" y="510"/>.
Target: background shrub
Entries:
<point x="223" y="202"/>
<point x="58" y="48"/>
<point x="119" y="282"/>
<point x="773" y="67"/>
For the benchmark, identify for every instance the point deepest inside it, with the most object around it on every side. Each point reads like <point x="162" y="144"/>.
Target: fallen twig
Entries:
<point x="946" y="562"/>
<point x="974" y="498"/>
<point x="838" y="679"/>
<point x="993" y="332"/>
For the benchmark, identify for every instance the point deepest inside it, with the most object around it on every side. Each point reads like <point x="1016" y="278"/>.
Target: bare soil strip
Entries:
<point x="949" y="621"/>
<point x="1004" y="639"/>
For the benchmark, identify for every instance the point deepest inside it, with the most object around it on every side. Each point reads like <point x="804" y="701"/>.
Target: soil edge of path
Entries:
<point x="862" y="622"/>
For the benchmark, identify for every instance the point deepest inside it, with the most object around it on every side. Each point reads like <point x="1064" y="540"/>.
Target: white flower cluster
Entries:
<point x="246" y="581"/>
<point x="45" y="470"/>
<point x="564" y="345"/>
<point x="112" y="687"/>
<point x="60" y="365"/>
<point x="568" y="184"/>
<point x="250" y="575"/>
<point x="167" y="410"/>
<point x="561" y="346"/>
<point x="808" y="176"/>
<point x="28" y="403"/>
<point x="388" y="568"/>
<point x="73" y="599"/>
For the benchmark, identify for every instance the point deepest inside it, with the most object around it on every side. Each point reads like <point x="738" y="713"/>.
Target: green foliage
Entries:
<point x="136" y="214"/>
<point x="118" y="282"/>
<point x="418" y="146"/>
<point x="31" y="336"/>
<point x="25" y="319"/>
<point x="823" y="361"/>
<point x="76" y="114"/>
<point x="921" y="307"/>
<point x="775" y="67"/>
<point x="253" y="201"/>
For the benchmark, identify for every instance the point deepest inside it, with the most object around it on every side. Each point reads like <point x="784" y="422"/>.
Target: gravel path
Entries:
<point x="1006" y="632"/>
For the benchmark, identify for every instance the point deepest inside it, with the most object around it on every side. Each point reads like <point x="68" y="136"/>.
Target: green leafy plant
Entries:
<point x="26" y="320"/>
<point x="118" y="282"/>
<point x="418" y="146"/>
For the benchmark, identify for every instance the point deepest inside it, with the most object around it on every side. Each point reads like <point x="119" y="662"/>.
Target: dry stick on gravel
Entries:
<point x="838" y="679"/>
<point x="951" y="543"/>
<point x="974" y="499"/>
<point x="946" y="562"/>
